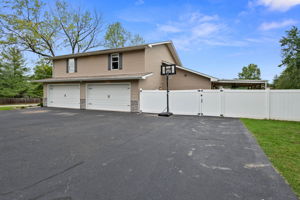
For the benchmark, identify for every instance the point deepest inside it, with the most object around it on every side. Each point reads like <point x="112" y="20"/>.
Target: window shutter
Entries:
<point x="75" y="64"/>
<point x="120" y="61"/>
<point x="67" y="67"/>
<point x="109" y="61"/>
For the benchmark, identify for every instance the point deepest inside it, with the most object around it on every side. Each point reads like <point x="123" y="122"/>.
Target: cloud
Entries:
<point x="191" y="29"/>
<point x="274" y="25"/>
<point x="205" y="29"/>
<point x="169" y="28"/>
<point x="195" y="30"/>
<point x="139" y="2"/>
<point x="276" y="5"/>
<point x="197" y="17"/>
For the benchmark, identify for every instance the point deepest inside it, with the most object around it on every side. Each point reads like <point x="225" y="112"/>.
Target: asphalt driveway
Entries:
<point x="67" y="154"/>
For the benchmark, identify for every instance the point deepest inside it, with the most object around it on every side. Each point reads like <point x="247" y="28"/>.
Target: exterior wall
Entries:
<point x="82" y="95"/>
<point x="138" y="61"/>
<point x="184" y="80"/>
<point x="153" y="58"/>
<point x="133" y="62"/>
<point x="45" y="94"/>
<point x="135" y="96"/>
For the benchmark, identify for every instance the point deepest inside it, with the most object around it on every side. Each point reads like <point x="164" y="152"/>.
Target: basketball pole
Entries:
<point x="168" y="113"/>
<point x="167" y="92"/>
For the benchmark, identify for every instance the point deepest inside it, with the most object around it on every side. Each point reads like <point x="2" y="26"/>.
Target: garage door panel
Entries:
<point x="107" y="106"/>
<point x="65" y="96"/>
<point x="115" y="97"/>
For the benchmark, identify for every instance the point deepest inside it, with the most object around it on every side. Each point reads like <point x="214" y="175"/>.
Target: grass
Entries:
<point x="12" y="107"/>
<point x="7" y="108"/>
<point x="280" y="140"/>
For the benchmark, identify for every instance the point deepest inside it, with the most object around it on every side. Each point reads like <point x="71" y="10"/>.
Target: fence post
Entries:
<point x="200" y="103"/>
<point x="140" y="98"/>
<point x="267" y="103"/>
<point x="222" y="102"/>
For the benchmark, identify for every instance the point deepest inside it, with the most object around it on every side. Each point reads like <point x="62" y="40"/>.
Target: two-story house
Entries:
<point x="111" y="79"/>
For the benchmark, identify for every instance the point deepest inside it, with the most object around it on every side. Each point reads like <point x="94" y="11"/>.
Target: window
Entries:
<point x="71" y="65"/>
<point x="115" y="61"/>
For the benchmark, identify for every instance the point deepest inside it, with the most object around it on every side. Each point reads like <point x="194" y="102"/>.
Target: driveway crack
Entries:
<point x="43" y="180"/>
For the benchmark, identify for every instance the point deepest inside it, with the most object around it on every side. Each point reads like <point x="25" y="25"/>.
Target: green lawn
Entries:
<point x="7" y="108"/>
<point x="280" y="140"/>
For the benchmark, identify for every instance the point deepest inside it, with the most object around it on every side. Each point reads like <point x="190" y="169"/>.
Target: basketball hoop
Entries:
<point x="166" y="70"/>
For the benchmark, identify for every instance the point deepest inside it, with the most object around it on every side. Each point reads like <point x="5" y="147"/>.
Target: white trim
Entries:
<point x="174" y="53"/>
<point x="76" y="79"/>
<point x="115" y="55"/>
<point x="159" y="43"/>
<point x="147" y="75"/>
<point x="74" y="60"/>
<point x="118" y="83"/>
<point x="241" y="81"/>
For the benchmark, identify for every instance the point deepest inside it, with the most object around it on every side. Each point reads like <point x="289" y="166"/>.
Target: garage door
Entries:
<point x="115" y="97"/>
<point x="65" y="96"/>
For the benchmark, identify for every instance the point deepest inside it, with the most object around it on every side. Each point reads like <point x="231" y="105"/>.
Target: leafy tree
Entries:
<point x="290" y="77"/>
<point x="29" y="25"/>
<point x="136" y="40"/>
<point x="291" y="48"/>
<point x="42" y="70"/>
<point x="13" y="79"/>
<point x="117" y="36"/>
<point x="251" y="72"/>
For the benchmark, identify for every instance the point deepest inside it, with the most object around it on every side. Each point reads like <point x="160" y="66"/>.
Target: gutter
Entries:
<point x="93" y="79"/>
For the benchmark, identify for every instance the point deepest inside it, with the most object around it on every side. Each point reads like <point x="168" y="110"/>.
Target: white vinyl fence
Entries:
<point x="259" y="104"/>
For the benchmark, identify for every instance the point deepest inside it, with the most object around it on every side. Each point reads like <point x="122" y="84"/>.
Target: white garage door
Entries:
<point x="115" y="97"/>
<point x="64" y="96"/>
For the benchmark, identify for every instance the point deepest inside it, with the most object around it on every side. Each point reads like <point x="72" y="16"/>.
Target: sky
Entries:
<point x="216" y="37"/>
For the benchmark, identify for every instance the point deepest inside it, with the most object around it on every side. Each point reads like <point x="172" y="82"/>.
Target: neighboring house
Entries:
<point x="112" y="79"/>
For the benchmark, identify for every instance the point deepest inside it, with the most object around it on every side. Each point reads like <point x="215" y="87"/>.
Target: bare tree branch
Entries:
<point x="30" y="26"/>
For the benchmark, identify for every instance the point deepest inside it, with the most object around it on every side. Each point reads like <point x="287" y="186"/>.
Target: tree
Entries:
<point x="136" y="40"/>
<point x="42" y="70"/>
<point x="251" y="72"/>
<point x="13" y="79"/>
<point x="290" y="77"/>
<point x="117" y="36"/>
<point x="32" y="27"/>
<point x="79" y="28"/>
<point x="291" y="48"/>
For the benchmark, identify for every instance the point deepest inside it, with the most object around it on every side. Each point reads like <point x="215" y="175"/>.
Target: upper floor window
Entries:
<point x="71" y="65"/>
<point x="115" y="61"/>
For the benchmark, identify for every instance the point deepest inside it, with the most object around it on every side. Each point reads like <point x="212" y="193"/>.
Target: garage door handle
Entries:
<point x="90" y="103"/>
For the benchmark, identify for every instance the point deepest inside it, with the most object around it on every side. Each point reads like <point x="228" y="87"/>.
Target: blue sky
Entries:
<point x="216" y="37"/>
